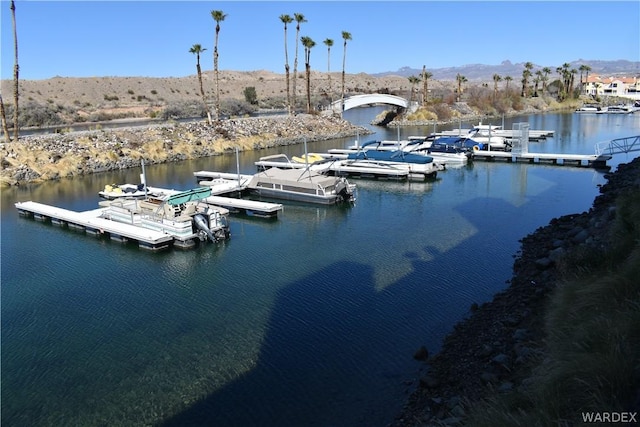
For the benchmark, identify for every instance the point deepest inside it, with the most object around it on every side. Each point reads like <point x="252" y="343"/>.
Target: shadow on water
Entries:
<point x="337" y="311"/>
<point x="293" y="359"/>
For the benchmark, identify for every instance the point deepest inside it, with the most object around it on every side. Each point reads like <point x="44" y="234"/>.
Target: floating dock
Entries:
<point x="582" y="160"/>
<point x="249" y="207"/>
<point x="227" y="183"/>
<point x="91" y="223"/>
<point x="534" y="135"/>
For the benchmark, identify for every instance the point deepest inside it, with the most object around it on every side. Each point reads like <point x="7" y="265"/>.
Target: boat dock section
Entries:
<point x="534" y="135"/>
<point x="584" y="160"/>
<point x="222" y="182"/>
<point x="250" y="207"/>
<point x="223" y="185"/>
<point x="91" y="223"/>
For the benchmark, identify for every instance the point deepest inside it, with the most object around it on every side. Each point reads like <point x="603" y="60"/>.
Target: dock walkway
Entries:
<point x="91" y="223"/>
<point x="226" y="183"/>
<point x="584" y="160"/>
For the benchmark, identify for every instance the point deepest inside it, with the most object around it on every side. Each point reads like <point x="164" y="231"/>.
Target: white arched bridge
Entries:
<point x="368" y="99"/>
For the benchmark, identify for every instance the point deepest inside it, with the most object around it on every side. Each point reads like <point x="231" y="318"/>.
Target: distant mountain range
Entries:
<point x="506" y="68"/>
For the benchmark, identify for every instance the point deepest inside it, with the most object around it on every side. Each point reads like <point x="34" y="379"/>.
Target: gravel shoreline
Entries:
<point x="496" y="347"/>
<point x="37" y="158"/>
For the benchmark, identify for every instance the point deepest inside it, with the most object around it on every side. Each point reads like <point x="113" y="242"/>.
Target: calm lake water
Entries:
<point x="308" y="320"/>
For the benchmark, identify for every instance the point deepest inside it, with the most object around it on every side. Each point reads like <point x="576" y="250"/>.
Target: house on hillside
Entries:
<point x="625" y="87"/>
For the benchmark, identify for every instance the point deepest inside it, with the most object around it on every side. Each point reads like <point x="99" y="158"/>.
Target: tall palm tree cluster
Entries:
<point x="308" y="43"/>
<point x="540" y="79"/>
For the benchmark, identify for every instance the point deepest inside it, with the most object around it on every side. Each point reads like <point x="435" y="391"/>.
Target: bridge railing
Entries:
<point x="618" y="145"/>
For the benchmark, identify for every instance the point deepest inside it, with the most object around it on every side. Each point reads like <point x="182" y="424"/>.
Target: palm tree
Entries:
<point x="16" y="71"/>
<point x="299" y="18"/>
<point x="414" y="81"/>
<point x="197" y="49"/>
<point x="217" y="16"/>
<point x="308" y="43"/>
<point x="566" y="80"/>
<point x="536" y="80"/>
<point x="286" y="19"/>
<point x="572" y="78"/>
<point x="496" y="78"/>
<point x="329" y="43"/>
<point x="585" y="85"/>
<point x="345" y="36"/>
<point x="460" y="79"/>
<point x="582" y="69"/>
<point x="508" y="79"/>
<point x="545" y="77"/>
<point x="526" y="74"/>
<point x="425" y="77"/>
<point x="3" y="116"/>
<point x="586" y="79"/>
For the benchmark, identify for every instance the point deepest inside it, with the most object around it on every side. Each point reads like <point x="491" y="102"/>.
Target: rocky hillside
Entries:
<point x="89" y="94"/>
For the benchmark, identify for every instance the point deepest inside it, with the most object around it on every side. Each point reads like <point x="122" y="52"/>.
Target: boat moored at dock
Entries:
<point x="337" y="165"/>
<point x="301" y="185"/>
<point x="180" y="220"/>
<point x="183" y="215"/>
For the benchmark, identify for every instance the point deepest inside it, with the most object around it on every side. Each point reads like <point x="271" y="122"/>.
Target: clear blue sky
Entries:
<point x="153" y="38"/>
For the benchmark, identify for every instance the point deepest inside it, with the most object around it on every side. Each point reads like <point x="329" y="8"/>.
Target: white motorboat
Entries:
<point x="365" y="168"/>
<point x="619" y="109"/>
<point x="337" y="165"/>
<point x="485" y="138"/>
<point x="304" y="185"/>
<point x="442" y="150"/>
<point x="589" y="108"/>
<point x="417" y="164"/>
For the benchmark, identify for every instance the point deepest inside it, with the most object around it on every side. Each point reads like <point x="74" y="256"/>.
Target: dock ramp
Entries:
<point x="618" y="146"/>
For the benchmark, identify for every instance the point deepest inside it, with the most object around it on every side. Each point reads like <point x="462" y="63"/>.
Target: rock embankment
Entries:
<point x="498" y="345"/>
<point x="53" y="156"/>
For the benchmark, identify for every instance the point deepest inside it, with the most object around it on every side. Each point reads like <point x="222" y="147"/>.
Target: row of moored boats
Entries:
<point x="319" y="178"/>
<point x="611" y="109"/>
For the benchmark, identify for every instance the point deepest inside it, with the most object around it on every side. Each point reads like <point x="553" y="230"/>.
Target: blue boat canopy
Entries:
<point x="391" y="156"/>
<point x="189" y="195"/>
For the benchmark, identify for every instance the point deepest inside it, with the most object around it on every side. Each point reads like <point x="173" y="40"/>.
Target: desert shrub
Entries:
<point x="235" y="107"/>
<point x="111" y="97"/>
<point x="422" y="114"/>
<point x="183" y="110"/>
<point x="33" y="114"/>
<point x="482" y="99"/>
<point x="442" y="110"/>
<point x="99" y="117"/>
<point x="250" y="95"/>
